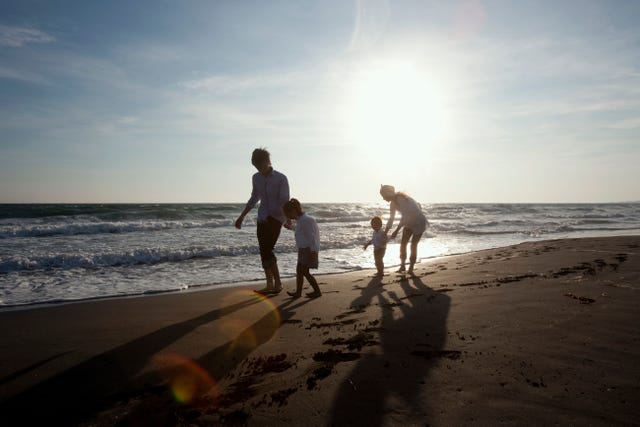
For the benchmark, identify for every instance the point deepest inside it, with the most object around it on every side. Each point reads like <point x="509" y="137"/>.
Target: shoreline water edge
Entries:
<point x="69" y="252"/>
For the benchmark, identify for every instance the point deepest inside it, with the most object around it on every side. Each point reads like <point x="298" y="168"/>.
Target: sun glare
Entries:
<point x="394" y="105"/>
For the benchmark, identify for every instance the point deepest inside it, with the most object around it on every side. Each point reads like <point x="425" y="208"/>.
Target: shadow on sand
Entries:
<point x="77" y="394"/>
<point x="412" y="334"/>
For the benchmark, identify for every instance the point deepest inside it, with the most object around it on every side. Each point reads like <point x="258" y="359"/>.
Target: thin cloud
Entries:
<point x="20" y="36"/>
<point x="371" y="21"/>
<point x="227" y="84"/>
<point x="627" y="124"/>
<point x="554" y="78"/>
<point x="576" y="105"/>
<point x="9" y="73"/>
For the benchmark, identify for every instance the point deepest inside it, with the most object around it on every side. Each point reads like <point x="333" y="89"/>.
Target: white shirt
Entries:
<point x="307" y="233"/>
<point x="412" y="216"/>
<point x="379" y="239"/>
<point x="272" y="191"/>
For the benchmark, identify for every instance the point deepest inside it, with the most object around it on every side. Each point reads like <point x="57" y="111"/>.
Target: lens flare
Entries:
<point x="247" y="332"/>
<point x="239" y="333"/>
<point x="261" y="300"/>
<point x="187" y="380"/>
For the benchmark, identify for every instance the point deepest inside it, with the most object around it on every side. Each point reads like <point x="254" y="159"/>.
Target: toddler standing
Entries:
<point x="379" y="241"/>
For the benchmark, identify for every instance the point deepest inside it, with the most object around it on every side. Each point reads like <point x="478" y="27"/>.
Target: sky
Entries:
<point x="461" y="101"/>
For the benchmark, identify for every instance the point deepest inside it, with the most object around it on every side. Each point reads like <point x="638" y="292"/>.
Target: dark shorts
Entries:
<point x="268" y="233"/>
<point x="307" y="259"/>
<point x="410" y="234"/>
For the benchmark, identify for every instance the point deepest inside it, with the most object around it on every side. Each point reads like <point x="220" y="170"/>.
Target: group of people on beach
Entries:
<point x="277" y="209"/>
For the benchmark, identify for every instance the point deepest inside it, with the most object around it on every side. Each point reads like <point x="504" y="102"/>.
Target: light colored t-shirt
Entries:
<point x="272" y="191"/>
<point x="307" y="233"/>
<point x="412" y="216"/>
<point x="379" y="240"/>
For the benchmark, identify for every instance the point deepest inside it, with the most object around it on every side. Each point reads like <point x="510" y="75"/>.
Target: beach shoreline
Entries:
<point x="541" y="332"/>
<point x="60" y="253"/>
<point x="250" y="284"/>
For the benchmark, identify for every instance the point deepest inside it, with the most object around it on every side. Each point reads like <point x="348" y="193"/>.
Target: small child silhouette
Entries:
<point x="379" y="241"/>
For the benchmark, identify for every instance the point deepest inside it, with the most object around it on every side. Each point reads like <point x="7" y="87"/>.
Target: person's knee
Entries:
<point x="269" y="262"/>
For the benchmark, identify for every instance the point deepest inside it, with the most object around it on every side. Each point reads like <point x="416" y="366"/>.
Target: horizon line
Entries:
<point x="326" y="202"/>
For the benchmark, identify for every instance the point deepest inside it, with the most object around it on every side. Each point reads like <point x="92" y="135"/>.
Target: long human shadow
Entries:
<point x="32" y="367"/>
<point x="224" y="358"/>
<point x="83" y="390"/>
<point x="217" y="363"/>
<point x="411" y="344"/>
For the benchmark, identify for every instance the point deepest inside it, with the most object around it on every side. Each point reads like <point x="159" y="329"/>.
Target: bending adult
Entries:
<point x="413" y="222"/>
<point x="271" y="189"/>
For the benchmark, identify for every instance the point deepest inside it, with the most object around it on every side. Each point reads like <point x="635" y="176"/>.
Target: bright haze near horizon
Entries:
<point x="461" y="101"/>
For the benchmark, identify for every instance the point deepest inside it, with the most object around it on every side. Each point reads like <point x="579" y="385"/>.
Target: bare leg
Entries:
<point x="406" y="235"/>
<point x="379" y="260"/>
<point x="314" y="284"/>
<point x="269" y="276"/>
<point x="414" y="251"/>
<point x="299" y="280"/>
<point x="276" y="277"/>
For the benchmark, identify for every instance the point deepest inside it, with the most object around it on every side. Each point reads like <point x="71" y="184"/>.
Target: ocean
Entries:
<point x="70" y="252"/>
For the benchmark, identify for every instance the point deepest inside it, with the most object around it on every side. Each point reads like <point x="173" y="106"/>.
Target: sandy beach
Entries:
<point x="541" y="333"/>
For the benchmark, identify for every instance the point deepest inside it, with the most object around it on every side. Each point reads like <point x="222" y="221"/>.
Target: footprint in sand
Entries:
<point x="621" y="257"/>
<point x="582" y="299"/>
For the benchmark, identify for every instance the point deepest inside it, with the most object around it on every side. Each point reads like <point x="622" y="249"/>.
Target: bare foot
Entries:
<point x="314" y="294"/>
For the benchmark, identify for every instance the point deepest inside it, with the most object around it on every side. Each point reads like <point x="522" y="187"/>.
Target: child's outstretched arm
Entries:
<point x="366" y="245"/>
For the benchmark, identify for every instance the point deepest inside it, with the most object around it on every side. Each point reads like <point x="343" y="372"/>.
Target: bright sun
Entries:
<point x="395" y="106"/>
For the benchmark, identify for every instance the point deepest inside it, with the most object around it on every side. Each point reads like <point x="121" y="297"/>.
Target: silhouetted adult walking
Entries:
<point x="271" y="189"/>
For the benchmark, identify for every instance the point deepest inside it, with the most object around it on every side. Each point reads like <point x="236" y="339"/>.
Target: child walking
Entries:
<point x="308" y="244"/>
<point x="379" y="241"/>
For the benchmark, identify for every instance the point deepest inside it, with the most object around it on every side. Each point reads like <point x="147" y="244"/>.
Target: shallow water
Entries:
<point x="52" y="253"/>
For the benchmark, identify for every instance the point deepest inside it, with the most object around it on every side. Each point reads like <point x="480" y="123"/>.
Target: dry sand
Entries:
<point x="544" y="333"/>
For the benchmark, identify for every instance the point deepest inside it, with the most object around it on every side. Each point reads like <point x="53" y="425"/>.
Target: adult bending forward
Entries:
<point x="271" y="188"/>
<point x="413" y="221"/>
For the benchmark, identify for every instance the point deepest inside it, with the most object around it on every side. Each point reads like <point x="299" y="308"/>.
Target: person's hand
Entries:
<point x="365" y="247"/>
<point x="239" y="222"/>
<point x="288" y="225"/>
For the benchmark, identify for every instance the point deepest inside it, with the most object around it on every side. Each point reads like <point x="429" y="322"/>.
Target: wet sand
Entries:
<point x="539" y="333"/>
